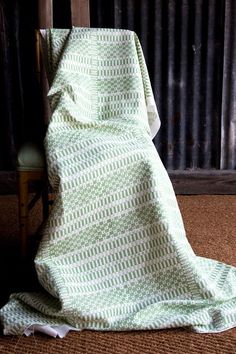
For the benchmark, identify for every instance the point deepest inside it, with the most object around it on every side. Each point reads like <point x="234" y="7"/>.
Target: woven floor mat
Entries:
<point x="141" y="342"/>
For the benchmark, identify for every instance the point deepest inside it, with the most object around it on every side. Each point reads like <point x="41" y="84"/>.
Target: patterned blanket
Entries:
<point x="114" y="254"/>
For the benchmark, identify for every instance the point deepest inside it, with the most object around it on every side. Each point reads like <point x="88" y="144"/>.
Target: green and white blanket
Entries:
<point x="114" y="254"/>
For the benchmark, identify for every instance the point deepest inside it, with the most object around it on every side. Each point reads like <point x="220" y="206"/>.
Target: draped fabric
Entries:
<point x="114" y="254"/>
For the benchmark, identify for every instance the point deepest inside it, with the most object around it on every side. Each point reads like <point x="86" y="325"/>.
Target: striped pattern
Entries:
<point x="114" y="254"/>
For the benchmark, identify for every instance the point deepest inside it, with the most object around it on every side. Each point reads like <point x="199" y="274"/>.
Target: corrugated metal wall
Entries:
<point x="190" y="49"/>
<point x="228" y="117"/>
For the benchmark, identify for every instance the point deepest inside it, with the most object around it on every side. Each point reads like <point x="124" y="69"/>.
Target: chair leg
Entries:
<point x="45" y="200"/>
<point x="23" y="210"/>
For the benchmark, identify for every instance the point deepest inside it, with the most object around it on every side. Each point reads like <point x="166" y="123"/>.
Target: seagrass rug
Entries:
<point x="143" y="342"/>
<point x="210" y="224"/>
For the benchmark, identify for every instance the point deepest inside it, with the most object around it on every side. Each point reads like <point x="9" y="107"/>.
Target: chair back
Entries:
<point x="80" y="17"/>
<point x="79" y="11"/>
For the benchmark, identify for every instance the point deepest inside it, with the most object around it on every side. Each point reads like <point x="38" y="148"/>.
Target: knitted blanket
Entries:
<point x="114" y="254"/>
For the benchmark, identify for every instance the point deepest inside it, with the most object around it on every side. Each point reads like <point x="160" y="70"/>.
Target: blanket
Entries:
<point x="114" y="254"/>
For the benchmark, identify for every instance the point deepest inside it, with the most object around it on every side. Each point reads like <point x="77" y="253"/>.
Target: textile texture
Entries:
<point x="114" y="254"/>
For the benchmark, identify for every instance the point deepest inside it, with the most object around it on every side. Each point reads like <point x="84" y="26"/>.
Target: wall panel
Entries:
<point x="190" y="51"/>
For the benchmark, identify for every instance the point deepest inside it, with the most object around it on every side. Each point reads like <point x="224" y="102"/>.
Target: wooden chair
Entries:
<point x="31" y="161"/>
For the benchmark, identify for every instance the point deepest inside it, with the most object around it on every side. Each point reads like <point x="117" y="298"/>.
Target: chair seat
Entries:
<point x="30" y="158"/>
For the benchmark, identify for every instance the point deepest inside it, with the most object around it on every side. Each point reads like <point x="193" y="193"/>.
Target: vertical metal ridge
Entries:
<point x="197" y="48"/>
<point x="183" y="85"/>
<point x="188" y="59"/>
<point x="143" y="22"/>
<point x="206" y="120"/>
<point x="170" y="83"/>
<point x="129" y="17"/>
<point x="228" y="116"/>
<point x="164" y="84"/>
<point x="156" y="73"/>
<point x="117" y="13"/>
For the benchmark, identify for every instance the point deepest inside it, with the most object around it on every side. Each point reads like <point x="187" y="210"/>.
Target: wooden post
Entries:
<point x="45" y="14"/>
<point x="37" y="55"/>
<point x="80" y="13"/>
<point x="23" y="210"/>
<point x="23" y="194"/>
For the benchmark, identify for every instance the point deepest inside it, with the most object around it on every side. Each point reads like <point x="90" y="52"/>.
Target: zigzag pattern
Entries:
<point x="114" y="254"/>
